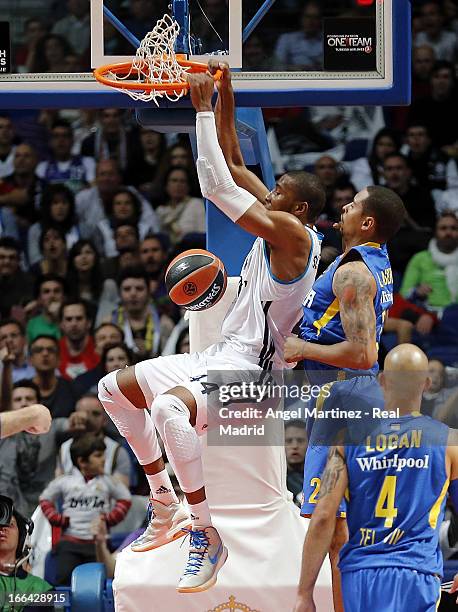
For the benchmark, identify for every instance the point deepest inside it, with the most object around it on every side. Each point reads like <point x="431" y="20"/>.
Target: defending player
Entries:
<point x="277" y="273"/>
<point x="343" y="317"/>
<point x="397" y="482"/>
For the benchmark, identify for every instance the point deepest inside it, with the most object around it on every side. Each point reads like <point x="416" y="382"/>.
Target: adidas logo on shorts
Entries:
<point x="194" y="518"/>
<point x="162" y="489"/>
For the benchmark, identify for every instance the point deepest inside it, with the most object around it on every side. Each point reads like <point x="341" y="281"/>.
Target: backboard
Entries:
<point x="284" y="52"/>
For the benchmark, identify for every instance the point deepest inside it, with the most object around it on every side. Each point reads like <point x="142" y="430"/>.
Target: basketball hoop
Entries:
<point x="156" y="70"/>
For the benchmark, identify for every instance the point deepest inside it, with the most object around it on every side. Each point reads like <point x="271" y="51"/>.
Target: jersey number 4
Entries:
<point x="385" y="507"/>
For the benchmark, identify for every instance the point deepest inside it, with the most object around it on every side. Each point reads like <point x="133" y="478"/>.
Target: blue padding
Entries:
<point x="88" y="585"/>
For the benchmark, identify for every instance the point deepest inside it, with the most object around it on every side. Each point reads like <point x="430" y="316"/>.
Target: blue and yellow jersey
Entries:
<point x="396" y="496"/>
<point x="321" y="315"/>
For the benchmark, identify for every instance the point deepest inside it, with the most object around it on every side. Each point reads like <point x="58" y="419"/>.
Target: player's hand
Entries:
<point x="304" y="603"/>
<point x="77" y="422"/>
<point x="454" y="587"/>
<point x="293" y="349"/>
<point x="41" y="419"/>
<point x="225" y="81"/>
<point x="202" y="88"/>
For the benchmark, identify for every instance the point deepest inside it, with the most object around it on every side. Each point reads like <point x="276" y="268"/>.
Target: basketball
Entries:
<point x="196" y="279"/>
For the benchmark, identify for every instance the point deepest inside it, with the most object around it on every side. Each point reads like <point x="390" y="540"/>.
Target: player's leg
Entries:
<point x="339" y="538"/>
<point x="174" y="415"/>
<point x="125" y="403"/>
<point x="315" y="462"/>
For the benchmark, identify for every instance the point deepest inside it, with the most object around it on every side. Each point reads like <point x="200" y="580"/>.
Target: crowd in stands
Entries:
<point x="93" y="207"/>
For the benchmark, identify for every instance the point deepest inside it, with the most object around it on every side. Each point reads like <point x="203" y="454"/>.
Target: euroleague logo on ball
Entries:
<point x="190" y="288"/>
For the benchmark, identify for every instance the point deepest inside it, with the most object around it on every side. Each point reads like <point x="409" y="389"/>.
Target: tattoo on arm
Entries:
<point x="353" y="286"/>
<point x="333" y="471"/>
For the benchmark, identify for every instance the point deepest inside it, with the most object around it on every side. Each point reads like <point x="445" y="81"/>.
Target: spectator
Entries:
<point x="423" y="60"/>
<point x="111" y="139"/>
<point x="438" y="110"/>
<point x="14" y="553"/>
<point x="369" y="171"/>
<point x="127" y="241"/>
<point x="418" y="201"/>
<point x="50" y="54"/>
<point x="93" y="204"/>
<point x="434" y="34"/>
<point x="26" y="393"/>
<point x="178" y="155"/>
<point x="327" y="170"/>
<point x="180" y="214"/>
<point x="342" y="194"/>
<point x="145" y="332"/>
<point x="117" y="462"/>
<point x="438" y="393"/>
<point x="116" y="357"/>
<point x="6" y="146"/>
<point x="428" y="164"/>
<point x="77" y="349"/>
<point x="431" y="276"/>
<point x="34" y="30"/>
<point x="56" y="393"/>
<point x="85" y="280"/>
<point x="12" y="337"/>
<point x="73" y="171"/>
<point x="22" y="189"/>
<point x="49" y="291"/>
<point x="18" y="464"/>
<point x="16" y="286"/>
<point x="53" y="247"/>
<point x="303" y="49"/>
<point x="105" y="334"/>
<point x="125" y="207"/>
<point x="295" y="447"/>
<point x="141" y="170"/>
<point x="85" y="494"/>
<point x="57" y="209"/>
<point x="154" y="250"/>
<point x="76" y="26"/>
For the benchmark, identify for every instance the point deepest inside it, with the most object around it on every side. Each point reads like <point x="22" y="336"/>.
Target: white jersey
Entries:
<point x="266" y="309"/>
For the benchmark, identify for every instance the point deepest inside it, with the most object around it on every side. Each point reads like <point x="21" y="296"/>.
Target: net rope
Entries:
<point x="156" y="62"/>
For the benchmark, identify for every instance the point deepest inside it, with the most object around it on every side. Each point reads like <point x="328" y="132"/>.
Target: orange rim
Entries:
<point x="125" y="68"/>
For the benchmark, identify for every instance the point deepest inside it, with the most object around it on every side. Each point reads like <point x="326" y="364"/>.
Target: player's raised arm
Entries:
<point x="322" y="525"/>
<point x="281" y="229"/>
<point x="227" y="133"/>
<point x="355" y="289"/>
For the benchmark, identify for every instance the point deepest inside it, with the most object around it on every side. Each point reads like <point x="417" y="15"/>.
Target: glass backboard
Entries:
<point x="283" y="52"/>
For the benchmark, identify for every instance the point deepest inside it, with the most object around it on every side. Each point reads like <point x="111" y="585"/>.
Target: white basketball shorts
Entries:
<point x="189" y="370"/>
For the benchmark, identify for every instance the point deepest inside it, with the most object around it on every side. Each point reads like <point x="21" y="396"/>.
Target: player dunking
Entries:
<point x="278" y="271"/>
<point x="397" y="479"/>
<point x="342" y="324"/>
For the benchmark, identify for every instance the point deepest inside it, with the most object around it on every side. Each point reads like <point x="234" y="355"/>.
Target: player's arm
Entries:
<point x="227" y="133"/>
<point x="280" y="229"/>
<point x="34" y="419"/>
<point x="322" y="525"/>
<point x="355" y="289"/>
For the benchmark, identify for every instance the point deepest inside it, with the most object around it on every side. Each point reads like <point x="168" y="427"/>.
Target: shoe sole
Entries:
<point x="207" y="585"/>
<point x="176" y="534"/>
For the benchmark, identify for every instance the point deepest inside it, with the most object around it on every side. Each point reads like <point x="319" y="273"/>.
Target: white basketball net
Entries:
<point x="155" y="62"/>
